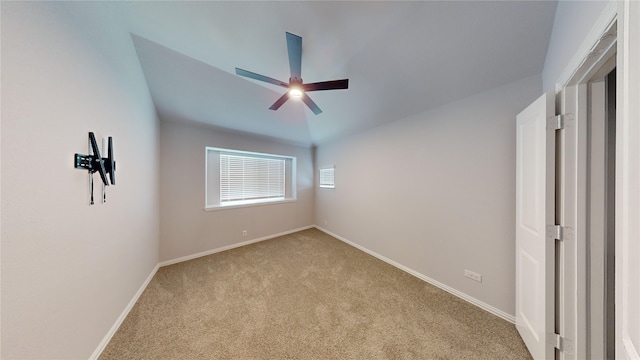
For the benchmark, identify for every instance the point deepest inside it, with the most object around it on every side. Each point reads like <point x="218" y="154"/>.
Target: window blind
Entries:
<point x="327" y="177"/>
<point x="244" y="177"/>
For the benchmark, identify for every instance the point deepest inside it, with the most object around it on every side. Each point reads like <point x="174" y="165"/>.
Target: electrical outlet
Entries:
<point x="325" y="222"/>
<point x="244" y="232"/>
<point x="473" y="275"/>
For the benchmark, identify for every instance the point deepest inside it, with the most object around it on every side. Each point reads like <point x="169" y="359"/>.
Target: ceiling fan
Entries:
<point x="297" y="88"/>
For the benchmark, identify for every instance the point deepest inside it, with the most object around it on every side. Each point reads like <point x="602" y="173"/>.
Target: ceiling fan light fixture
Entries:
<point x="295" y="93"/>
<point x="296" y="88"/>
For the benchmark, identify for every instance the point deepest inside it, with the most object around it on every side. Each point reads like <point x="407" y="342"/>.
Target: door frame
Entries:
<point x="628" y="183"/>
<point x="600" y="43"/>
<point x="572" y="98"/>
<point x="599" y="212"/>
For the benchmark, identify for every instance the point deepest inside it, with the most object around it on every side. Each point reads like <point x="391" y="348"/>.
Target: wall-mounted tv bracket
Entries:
<point x="93" y="162"/>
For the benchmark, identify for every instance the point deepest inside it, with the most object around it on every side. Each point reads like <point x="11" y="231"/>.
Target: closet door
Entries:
<point x="535" y="210"/>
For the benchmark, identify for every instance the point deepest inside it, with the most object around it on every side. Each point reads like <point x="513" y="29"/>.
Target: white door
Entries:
<point x="535" y="209"/>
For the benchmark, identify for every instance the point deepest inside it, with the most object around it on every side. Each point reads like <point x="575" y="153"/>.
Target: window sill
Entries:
<point x="236" y="206"/>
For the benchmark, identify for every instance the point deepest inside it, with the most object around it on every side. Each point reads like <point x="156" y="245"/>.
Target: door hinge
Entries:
<point x="558" y="342"/>
<point x="560" y="122"/>
<point x="562" y="344"/>
<point x="559" y="232"/>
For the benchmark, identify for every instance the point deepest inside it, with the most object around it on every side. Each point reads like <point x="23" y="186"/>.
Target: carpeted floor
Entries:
<point x="305" y="295"/>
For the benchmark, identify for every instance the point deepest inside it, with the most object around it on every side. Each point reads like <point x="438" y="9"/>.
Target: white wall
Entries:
<point x="69" y="270"/>
<point x="185" y="227"/>
<point x="435" y="192"/>
<point x="573" y="21"/>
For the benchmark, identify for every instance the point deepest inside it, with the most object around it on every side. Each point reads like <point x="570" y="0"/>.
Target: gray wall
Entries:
<point x="186" y="229"/>
<point x="435" y="192"/>
<point x="69" y="270"/>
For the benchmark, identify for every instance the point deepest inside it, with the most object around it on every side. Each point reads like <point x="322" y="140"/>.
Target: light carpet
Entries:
<point x="305" y="295"/>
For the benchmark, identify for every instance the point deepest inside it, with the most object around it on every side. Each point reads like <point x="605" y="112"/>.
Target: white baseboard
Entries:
<point x="497" y="312"/>
<point x="116" y="325"/>
<point x="229" y="247"/>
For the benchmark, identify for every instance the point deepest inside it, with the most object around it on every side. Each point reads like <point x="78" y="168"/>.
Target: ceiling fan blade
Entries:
<point x="294" y="47"/>
<point x="280" y="101"/>
<point x="327" y="85"/>
<point x="307" y="100"/>
<point x="255" y="76"/>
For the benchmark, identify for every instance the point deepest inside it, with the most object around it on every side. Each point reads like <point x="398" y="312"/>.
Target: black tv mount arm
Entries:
<point x="106" y="167"/>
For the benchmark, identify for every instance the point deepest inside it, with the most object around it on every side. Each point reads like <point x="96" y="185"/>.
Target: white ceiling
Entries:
<point x="401" y="58"/>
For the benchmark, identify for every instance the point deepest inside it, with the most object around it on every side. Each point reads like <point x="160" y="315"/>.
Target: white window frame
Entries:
<point x="213" y="179"/>
<point x="327" y="181"/>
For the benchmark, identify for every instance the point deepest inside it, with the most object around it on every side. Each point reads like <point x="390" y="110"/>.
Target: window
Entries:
<point x="239" y="178"/>
<point x="247" y="178"/>
<point x="327" y="178"/>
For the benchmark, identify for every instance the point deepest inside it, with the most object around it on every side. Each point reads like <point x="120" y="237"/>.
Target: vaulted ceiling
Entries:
<point x="401" y="58"/>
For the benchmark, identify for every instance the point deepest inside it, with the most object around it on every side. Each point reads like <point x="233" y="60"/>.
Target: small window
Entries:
<point x="243" y="178"/>
<point x="327" y="178"/>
